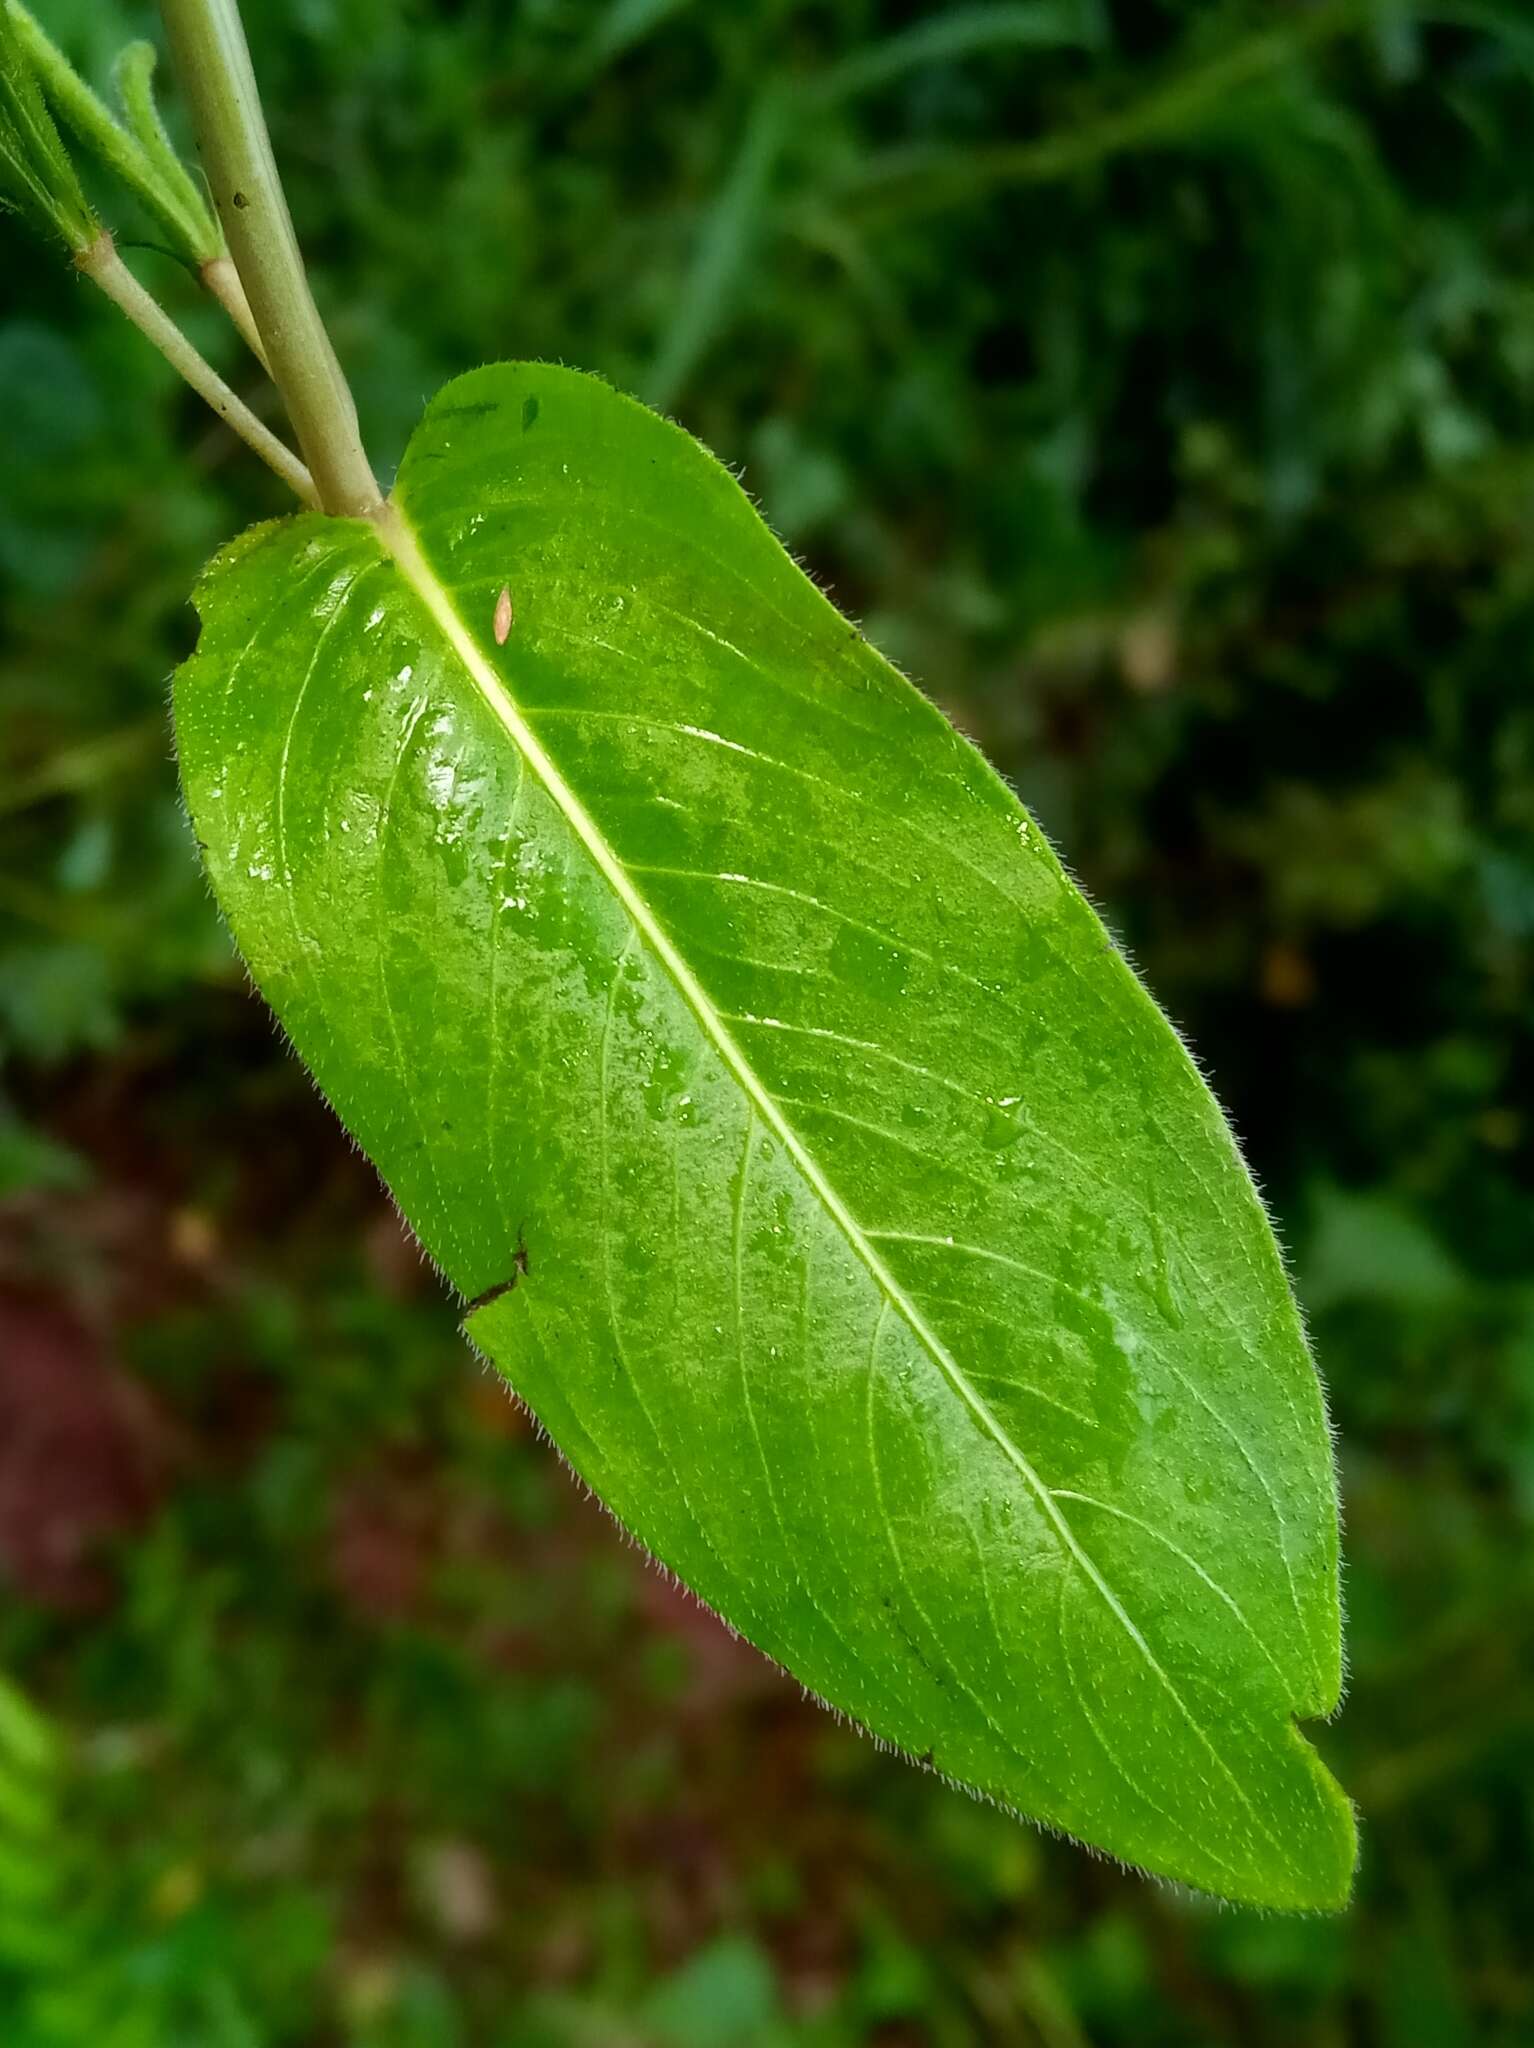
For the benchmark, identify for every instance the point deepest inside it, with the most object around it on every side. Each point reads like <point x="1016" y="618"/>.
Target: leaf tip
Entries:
<point x="1321" y="1863"/>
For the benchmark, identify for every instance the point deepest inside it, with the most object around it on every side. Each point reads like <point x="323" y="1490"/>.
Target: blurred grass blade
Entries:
<point x="37" y="178"/>
<point x="963" y="32"/>
<point x="623" y="24"/>
<point x="25" y="1799"/>
<point x="912" y="180"/>
<point x="731" y="233"/>
<point x="33" y="1933"/>
<point x="27" y="1743"/>
<point x="60" y="1939"/>
<point x="1508" y="24"/>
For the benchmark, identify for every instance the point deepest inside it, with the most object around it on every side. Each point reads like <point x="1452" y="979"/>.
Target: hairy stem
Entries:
<point x="105" y="268"/>
<point x="208" y="41"/>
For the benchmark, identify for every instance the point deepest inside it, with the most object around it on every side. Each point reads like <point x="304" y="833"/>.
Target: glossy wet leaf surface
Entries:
<point x="813" y="1164"/>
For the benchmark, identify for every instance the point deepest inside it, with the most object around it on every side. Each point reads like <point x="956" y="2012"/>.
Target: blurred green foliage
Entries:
<point x="1155" y="378"/>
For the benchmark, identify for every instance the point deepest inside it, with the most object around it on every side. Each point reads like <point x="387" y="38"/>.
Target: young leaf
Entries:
<point x="144" y="158"/>
<point x="166" y="185"/>
<point x="814" y="1166"/>
<point x="37" y="178"/>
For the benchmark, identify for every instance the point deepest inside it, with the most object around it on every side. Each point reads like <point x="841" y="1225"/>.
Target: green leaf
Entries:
<point x="37" y="178"/>
<point x="163" y="180"/>
<point x="143" y="159"/>
<point x="814" y="1166"/>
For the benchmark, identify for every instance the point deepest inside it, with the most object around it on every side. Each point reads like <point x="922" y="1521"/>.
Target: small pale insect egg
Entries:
<point x="503" y="616"/>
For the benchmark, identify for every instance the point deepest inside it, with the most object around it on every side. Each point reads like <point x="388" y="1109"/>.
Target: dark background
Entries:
<point x="1156" y="382"/>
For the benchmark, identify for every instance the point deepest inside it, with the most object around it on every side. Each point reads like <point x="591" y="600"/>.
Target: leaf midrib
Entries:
<point x="399" y="540"/>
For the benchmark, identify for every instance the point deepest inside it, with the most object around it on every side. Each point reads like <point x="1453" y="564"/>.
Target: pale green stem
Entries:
<point x="222" y="281"/>
<point x="208" y="42"/>
<point x="104" y="267"/>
